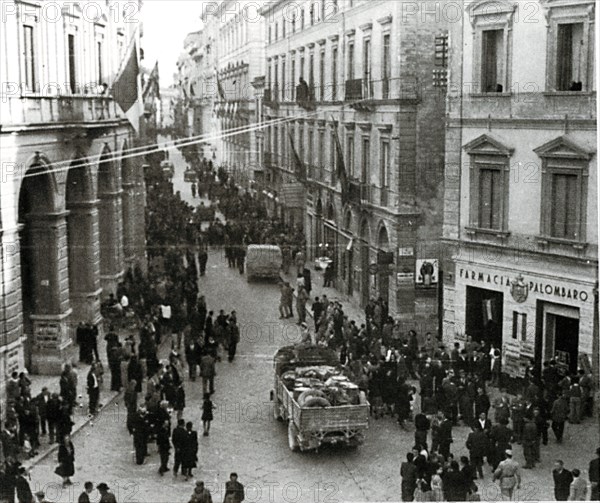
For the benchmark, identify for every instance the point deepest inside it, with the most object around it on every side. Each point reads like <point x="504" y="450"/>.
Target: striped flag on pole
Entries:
<point x="126" y="88"/>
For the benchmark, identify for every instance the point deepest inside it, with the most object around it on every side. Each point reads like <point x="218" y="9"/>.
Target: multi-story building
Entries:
<point x="237" y="29"/>
<point x="71" y="201"/>
<point x="169" y="97"/>
<point x="521" y="209"/>
<point x="189" y="80"/>
<point x="372" y="73"/>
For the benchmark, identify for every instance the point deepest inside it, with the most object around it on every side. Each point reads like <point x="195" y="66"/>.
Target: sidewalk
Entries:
<point x="81" y="417"/>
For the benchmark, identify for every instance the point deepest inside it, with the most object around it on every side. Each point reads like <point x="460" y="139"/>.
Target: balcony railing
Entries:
<point x="305" y="96"/>
<point x="360" y="193"/>
<point x="57" y="109"/>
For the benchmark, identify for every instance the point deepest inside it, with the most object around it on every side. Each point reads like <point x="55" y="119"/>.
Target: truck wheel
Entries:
<point x="293" y="436"/>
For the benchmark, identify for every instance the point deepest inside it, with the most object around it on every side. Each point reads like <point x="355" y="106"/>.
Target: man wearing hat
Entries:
<point x="105" y="496"/>
<point x="508" y="475"/>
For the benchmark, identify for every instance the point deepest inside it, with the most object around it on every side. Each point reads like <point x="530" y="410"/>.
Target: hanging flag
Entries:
<point x="126" y="88"/>
<point x="220" y="89"/>
<point x="340" y="166"/>
<point x="299" y="168"/>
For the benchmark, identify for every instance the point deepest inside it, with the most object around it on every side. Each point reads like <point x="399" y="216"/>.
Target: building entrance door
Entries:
<point x="484" y="316"/>
<point x="562" y="340"/>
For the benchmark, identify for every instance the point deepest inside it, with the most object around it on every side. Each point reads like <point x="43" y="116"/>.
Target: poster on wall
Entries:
<point x="427" y="272"/>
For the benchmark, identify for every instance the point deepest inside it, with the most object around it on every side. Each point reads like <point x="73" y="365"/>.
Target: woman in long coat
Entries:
<point x="189" y="453"/>
<point x="66" y="460"/>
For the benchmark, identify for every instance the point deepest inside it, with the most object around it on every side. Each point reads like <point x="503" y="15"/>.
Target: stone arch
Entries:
<point x="83" y="242"/>
<point x="110" y="222"/>
<point x="44" y="268"/>
<point x="365" y="239"/>
<point x="347" y="223"/>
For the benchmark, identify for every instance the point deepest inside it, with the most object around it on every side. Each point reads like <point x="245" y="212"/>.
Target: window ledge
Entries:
<point x="474" y="231"/>
<point x="491" y="95"/>
<point x="547" y="240"/>
<point x="568" y="93"/>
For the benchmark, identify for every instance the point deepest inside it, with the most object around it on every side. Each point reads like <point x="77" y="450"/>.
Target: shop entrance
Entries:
<point x="484" y="316"/>
<point x="561" y="340"/>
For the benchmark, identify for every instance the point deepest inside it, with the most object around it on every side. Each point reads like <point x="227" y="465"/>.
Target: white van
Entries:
<point x="263" y="261"/>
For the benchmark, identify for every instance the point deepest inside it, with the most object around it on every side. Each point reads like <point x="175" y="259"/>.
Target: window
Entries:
<point x="519" y="328"/>
<point x="366" y="160"/>
<point x="490" y="198"/>
<point x="283" y="23"/>
<point x="384" y="173"/>
<point x="270" y="34"/>
<point x="100" y="66"/>
<point x="276" y="87"/>
<point x="276" y="31"/>
<point x="293" y="89"/>
<point x="275" y="141"/>
<point x="269" y="77"/>
<point x="311" y="76"/>
<point x="386" y="67"/>
<point x="311" y="13"/>
<point x="72" y="63"/>
<point x="321" y="159"/>
<point x="301" y="18"/>
<point x="563" y="210"/>
<point x="283" y="89"/>
<point x="492" y="51"/>
<point x="563" y="219"/>
<point x="334" y="70"/>
<point x="301" y="67"/>
<point x="322" y="76"/>
<point x="333" y="155"/>
<point x="441" y="50"/>
<point x="350" y="61"/>
<point x="294" y="23"/>
<point x="569" y="57"/>
<point x="29" y="55"/>
<point x="310" y="149"/>
<point x="367" y="67"/>
<point x="350" y="154"/>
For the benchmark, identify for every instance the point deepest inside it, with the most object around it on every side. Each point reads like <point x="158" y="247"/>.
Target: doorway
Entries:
<point x="484" y="316"/>
<point x="561" y="340"/>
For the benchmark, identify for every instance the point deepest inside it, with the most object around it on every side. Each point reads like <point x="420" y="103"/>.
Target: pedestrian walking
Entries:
<point x="234" y="490"/>
<point x="178" y="438"/>
<point x="193" y="190"/>
<point x="84" y="497"/>
<point x="93" y="390"/>
<point x="66" y="460"/>
<point x="164" y="446"/>
<point x="530" y="440"/>
<point x="578" y="488"/>
<point x="562" y="481"/>
<point x="508" y="475"/>
<point x="559" y="414"/>
<point x="207" y="372"/>
<point x="408" y="474"/>
<point x="140" y="435"/>
<point x="105" y="495"/>
<point x="189" y="453"/>
<point x="233" y="338"/>
<point x="207" y="414"/>
<point x="479" y="447"/>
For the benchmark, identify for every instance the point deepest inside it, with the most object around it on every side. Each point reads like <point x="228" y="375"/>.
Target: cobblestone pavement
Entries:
<point x="245" y="437"/>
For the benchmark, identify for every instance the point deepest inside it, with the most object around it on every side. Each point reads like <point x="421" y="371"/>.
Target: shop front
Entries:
<point x="528" y="315"/>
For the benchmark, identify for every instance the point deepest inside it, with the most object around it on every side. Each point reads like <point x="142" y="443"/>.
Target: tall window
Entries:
<point x="276" y="31"/>
<point x="334" y="70"/>
<point x="29" y="56"/>
<point x="269" y="78"/>
<point x="350" y="153"/>
<point x="386" y="66"/>
<point x="302" y="67"/>
<point x="322" y="76"/>
<point x="283" y="89"/>
<point x="100" y="66"/>
<point x="283" y="23"/>
<point x="311" y="13"/>
<point x="332" y="155"/>
<point x="293" y="90"/>
<point x="492" y="57"/>
<point x="367" y="67"/>
<point x="276" y="87"/>
<point x="270" y="40"/>
<point x="321" y="159"/>
<point x="569" y="57"/>
<point x="384" y="174"/>
<point x="563" y="221"/>
<point x="311" y="76"/>
<point x="294" y="23"/>
<point x="350" y="61"/>
<point x="301" y="18"/>
<point x="72" y="63"/>
<point x="310" y="149"/>
<point x="490" y="198"/>
<point x="275" y="142"/>
<point x="366" y="160"/>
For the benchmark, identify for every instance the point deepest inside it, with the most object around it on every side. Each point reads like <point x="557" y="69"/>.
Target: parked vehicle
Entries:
<point x="263" y="261"/>
<point x="327" y="409"/>
<point x="167" y="168"/>
<point x="190" y="175"/>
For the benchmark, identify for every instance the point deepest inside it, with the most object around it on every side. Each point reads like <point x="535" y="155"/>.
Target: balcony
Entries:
<point x="305" y="96"/>
<point x="270" y="98"/>
<point x="91" y="111"/>
<point x="360" y="193"/>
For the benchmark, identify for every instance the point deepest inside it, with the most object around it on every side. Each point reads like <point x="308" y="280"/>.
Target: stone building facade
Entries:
<point x="521" y="226"/>
<point x="72" y="199"/>
<point x="375" y="73"/>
